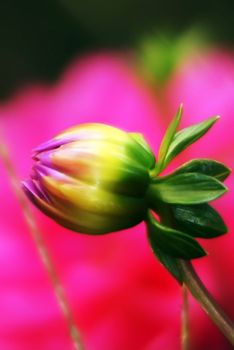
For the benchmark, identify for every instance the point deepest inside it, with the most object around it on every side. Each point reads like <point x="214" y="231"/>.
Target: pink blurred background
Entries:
<point x="122" y="298"/>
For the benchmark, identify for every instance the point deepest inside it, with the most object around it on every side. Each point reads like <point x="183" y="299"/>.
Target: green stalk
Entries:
<point x="185" y="319"/>
<point x="207" y="302"/>
<point x="198" y="289"/>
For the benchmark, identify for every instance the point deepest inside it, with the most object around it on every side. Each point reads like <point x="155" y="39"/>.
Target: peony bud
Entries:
<point x="92" y="178"/>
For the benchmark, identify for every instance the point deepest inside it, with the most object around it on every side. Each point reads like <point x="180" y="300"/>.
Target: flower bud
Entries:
<point x="92" y="178"/>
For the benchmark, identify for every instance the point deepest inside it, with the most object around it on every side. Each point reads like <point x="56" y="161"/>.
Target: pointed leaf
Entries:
<point x="204" y="166"/>
<point x="168" y="137"/>
<point x="186" y="137"/>
<point x="198" y="220"/>
<point x="188" y="188"/>
<point x="170" y="263"/>
<point x="139" y="138"/>
<point x="173" y="242"/>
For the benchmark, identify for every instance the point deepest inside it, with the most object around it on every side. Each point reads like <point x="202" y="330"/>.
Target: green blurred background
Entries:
<point x="38" y="38"/>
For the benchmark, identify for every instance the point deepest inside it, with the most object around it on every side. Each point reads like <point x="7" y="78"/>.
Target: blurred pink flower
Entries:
<point x="121" y="297"/>
<point x="113" y="282"/>
<point x="205" y="84"/>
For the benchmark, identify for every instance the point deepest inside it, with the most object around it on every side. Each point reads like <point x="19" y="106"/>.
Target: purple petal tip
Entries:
<point x="51" y="144"/>
<point x="28" y="188"/>
<point x="33" y="190"/>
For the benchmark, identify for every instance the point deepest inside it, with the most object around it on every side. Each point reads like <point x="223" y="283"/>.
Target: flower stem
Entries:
<point x="41" y="246"/>
<point x="208" y="303"/>
<point x="199" y="291"/>
<point x="185" y="319"/>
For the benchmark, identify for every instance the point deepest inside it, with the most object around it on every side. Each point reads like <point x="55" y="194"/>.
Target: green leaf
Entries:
<point x="139" y="138"/>
<point x="168" y="137"/>
<point x="170" y="263"/>
<point x="198" y="220"/>
<point x="188" y="188"/>
<point x="186" y="137"/>
<point x="204" y="166"/>
<point x="173" y="242"/>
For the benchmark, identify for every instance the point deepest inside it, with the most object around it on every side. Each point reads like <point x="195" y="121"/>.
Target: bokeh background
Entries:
<point x="126" y="63"/>
<point x="38" y="39"/>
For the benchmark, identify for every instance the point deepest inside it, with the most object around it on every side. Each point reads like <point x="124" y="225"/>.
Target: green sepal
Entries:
<point x="186" y="137"/>
<point x="198" y="220"/>
<point x="172" y="242"/>
<point x="170" y="263"/>
<point x="139" y="138"/>
<point x="204" y="166"/>
<point x="168" y="138"/>
<point x="187" y="188"/>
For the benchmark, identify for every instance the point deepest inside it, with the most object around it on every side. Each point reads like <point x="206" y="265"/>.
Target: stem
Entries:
<point x="209" y="305"/>
<point x="42" y="249"/>
<point x="199" y="291"/>
<point x="185" y="319"/>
